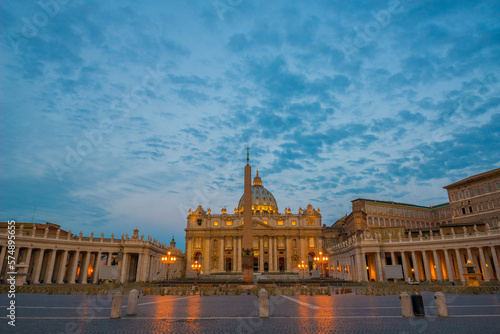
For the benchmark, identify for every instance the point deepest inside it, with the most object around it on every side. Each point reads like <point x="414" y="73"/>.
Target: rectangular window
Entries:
<point x="199" y="221"/>
<point x="487" y="188"/>
<point x="460" y="195"/>
<point x="490" y="205"/>
<point x="294" y="223"/>
<point x="452" y="197"/>
<point x="229" y="223"/>
<point x="310" y="221"/>
<point x="463" y="211"/>
<point x="498" y="185"/>
<point x="280" y="222"/>
<point x="255" y="243"/>
<point x="216" y="223"/>
<point x="466" y="193"/>
<point x="479" y="207"/>
<point x="476" y="192"/>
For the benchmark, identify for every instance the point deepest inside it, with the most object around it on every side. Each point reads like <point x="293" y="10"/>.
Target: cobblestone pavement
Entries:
<point x="40" y="313"/>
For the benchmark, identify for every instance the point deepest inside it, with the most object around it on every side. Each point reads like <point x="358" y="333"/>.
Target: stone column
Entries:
<point x="288" y="255"/>
<point x="73" y="267"/>
<point x="221" y="255"/>
<point x="276" y="254"/>
<point x="359" y="271"/>
<point x="124" y="271"/>
<point x="437" y="263"/>
<point x="270" y="249"/>
<point x="84" y="269"/>
<point x="140" y="269"/>
<point x="459" y="264"/>
<point x="261" y="254"/>
<point x="363" y="263"/>
<point x="38" y="266"/>
<point x="495" y="261"/>
<point x="405" y="266"/>
<point x="239" y="255"/>
<point x="486" y="275"/>
<point x="50" y="267"/>
<point x="449" y="269"/>
<point x="62" y="268"/>
<point x="28" y="258"/>
<point x="379" y="267"/>
<point x="416" y="271"/>
<point x="204" y="255"/>
<point x="427" y="268"/>
<point x="97" y="268"/>
<point x="16" y="255"/>
<point x="393" y="258"/>
<point x="147" y="267"/>
<point x="234" y="266"/>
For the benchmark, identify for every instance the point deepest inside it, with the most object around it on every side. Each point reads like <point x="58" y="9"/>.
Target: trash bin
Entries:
<point x="417" y="303"/>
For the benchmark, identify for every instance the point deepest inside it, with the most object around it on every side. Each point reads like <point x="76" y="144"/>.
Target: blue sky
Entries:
<point x="122" y="114"/>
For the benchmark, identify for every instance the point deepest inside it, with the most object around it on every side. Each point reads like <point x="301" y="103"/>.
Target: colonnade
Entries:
<point x="54" y="259"/>
<point x="442" y="258"/>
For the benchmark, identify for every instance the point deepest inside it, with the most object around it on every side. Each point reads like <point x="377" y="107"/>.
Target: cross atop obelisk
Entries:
<point x="248" y="154"/>
<point x="247" y="240"/>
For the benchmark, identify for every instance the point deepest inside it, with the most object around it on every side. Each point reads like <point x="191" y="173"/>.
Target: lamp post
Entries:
<point x="302" y="266"/>
<point x="321" y="260"/>
<point x="196" y="267"/>
<point x="168" y="259"/>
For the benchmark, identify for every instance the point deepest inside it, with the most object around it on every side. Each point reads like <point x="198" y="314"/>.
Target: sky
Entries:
<point x="118" y="115"/>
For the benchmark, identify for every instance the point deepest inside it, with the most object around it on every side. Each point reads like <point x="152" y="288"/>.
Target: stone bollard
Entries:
<point x="263" y="303"/>
<point x="116" y="307"/>
<point x="405" y="304"/>
<point x="133" y="296"/>
<point x="442" y="310"/>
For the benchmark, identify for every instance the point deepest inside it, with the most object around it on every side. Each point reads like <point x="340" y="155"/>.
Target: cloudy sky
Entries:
<point x="118" y="115"/>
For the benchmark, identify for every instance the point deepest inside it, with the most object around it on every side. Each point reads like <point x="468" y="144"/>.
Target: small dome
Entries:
<point x="262" y="199"/>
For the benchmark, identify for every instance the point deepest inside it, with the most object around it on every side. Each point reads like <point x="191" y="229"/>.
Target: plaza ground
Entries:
<point x="349" y="313"/>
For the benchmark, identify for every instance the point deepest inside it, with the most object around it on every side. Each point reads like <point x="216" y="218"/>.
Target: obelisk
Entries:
<point x="247" y="242"/>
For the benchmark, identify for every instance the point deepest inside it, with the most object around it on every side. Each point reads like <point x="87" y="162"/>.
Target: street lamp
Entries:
<point x="321" y="260"/>
<point x="196" y="267"/>
<point x="302" y="266"/>
<point x="168" y="259"/>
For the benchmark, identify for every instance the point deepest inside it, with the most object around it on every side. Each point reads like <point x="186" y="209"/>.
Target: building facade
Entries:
<point x="280" y="239"/>
<point x="476" y="199"/>
<point x="46" y="254"/>
<point x="430" y="243"/>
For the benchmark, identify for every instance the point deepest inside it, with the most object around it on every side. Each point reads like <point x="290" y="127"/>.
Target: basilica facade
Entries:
<point x="280" y="239"/>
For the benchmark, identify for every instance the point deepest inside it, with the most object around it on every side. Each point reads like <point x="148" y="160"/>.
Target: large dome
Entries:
<point x="262" y="199"/>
